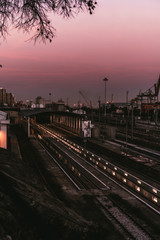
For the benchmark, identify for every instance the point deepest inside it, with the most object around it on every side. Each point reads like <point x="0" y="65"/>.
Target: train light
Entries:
<point x="154" y="190"/>
<point x="115" y="168"/>
<point x="96" y="162"/>
<point x="126" y="174"/>
<point x="79" y="174"/>
<point x="99" y="158"/>
<point x="90" y="158"/>
<point x="138" y="189"/>
<point x="87" y="152"/>
<point x="139" y="181"/>
<point x="124" y="180"/>
<point x="113" y="173"/>
<point x="84" y="155"/>
<point x="92" y="155"/>
<point x="39" y="136"/>
<point x="106" y="163"/>
<point x="104" y="167"/>
<point x="72" y="168"/>
<point x="82" y="149"/>
<point x="155" y="199"/>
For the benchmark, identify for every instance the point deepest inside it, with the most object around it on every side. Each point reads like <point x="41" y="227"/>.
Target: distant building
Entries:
<point x="2" y="96"/>
<point x="10" y="99"/>
<point x="59" y="106"/>
<point x="39" y="102"/>
<point x="48" y="104"/>
<point x="6" y="99"/>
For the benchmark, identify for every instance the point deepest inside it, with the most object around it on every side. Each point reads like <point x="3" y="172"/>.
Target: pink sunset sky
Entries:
<point x="120" y="41"/>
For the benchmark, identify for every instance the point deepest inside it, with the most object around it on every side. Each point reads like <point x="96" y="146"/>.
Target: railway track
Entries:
<point x="140" y="152"/>
<point x="141" y="166"/>
<point x="144" y="155"/>
<point x="145" y="163"/>
<point x="81" y="177"/>
<point x="122" y="221"/>
<point x="142" y="138"/>
<point x="125" y="224"/>
<point x="139" y="188"/>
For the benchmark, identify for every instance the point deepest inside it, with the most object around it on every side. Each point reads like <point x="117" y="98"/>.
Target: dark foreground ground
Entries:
<point x="31" y="210"/>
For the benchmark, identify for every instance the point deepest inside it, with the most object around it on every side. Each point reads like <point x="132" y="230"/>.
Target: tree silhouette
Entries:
<point x="33" y="15"/>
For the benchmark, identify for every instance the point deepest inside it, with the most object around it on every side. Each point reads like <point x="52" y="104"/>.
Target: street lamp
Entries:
<point x="127" y="118"/>
<point x="50" y="96"/>
<point x="105" y="80"/>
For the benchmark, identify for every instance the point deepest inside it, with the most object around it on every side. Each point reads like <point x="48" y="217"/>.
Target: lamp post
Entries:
<point x="132" y="119"/>
<point x="50" y="96"/>
<point x="127" y="117"/>
<point x="29" y="127"/>
<point x="105" y="80"/>
<point x="99" y="103"/>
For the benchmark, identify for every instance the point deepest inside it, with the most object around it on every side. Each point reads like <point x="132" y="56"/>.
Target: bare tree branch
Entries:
<point x="33" y="15"/>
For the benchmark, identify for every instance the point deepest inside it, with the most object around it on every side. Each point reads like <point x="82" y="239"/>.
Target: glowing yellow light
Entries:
<point x="154" y="190"/>
<point x="155" y="199"/>
<point x="138" y="189"/>
<point x="72" y="168"/>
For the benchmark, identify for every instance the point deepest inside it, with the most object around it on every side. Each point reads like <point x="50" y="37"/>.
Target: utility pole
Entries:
<point x="67" y="101"/>
<point x="112" y="98"/>
<point x="29" y="128"/>
<point x="50" y="97"/>
<point x="132" y="121"/>
<point x="99" y="102"/>
<point x="105" y="80"/>
<point x="127" y="120"/>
